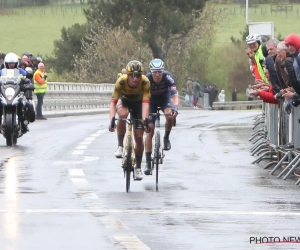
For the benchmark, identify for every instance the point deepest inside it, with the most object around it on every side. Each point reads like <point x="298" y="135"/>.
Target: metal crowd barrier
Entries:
<point x="276" y="139"/>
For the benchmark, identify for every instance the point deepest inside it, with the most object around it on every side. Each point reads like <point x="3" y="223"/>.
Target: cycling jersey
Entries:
<point x="166" y="87"/>
<point x="141" y="93"/>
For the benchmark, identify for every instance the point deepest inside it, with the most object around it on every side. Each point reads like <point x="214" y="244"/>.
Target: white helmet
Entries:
<point x="252" y="38"/>
<point x="11" y="58"/>
<point x="156" y="64"/>
<point x="29" y="70"/>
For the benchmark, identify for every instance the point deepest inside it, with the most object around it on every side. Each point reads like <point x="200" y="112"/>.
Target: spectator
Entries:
<point x="189" y="91"/>
<point x="271" y="46"/>
<point x="282" y="54"/>
<point x="256" y="57"/>
<point x="25" y="59"/>
<point x="2" y="56"/>
<point x="234" y="95"/>
<point x="34" y="63"/>
<point x="264" y="90"/>
<point x="221" y="96"/>
<point x="40" y="88"/>
<point x="196" y="92"/>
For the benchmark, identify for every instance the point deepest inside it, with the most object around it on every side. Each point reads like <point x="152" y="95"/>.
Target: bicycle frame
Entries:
<point x="129" y="135"/>
<point x="128" y="157"/>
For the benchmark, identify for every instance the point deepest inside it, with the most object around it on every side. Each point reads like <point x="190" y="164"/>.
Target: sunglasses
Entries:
<point x="156" y="72"/>
<point x="135" y="75"/>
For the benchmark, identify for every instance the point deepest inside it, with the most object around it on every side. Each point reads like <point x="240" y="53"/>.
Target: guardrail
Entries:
<point x="240" y="104"/>
<point x="69" y="96"/>
<point x="77" y="96"/>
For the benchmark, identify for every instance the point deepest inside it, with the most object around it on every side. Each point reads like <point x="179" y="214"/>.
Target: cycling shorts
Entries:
<point x="135" y="110"/>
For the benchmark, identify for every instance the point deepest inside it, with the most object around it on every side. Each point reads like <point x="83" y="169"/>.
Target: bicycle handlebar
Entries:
<point x="129" y="121"/>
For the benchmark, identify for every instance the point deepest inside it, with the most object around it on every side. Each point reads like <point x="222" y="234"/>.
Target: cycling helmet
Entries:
<point x="39" y="59"/>
<point x="134" y="67"/>
<point x="252" y="38"/>
<point x="156" y="64"/>
<point x="11" y="58"/>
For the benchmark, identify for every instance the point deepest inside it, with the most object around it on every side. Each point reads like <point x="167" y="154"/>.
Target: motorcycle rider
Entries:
<point x="11" y="61"/>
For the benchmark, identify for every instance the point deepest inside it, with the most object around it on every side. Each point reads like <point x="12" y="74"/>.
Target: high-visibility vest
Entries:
<point x="39" y="88"/>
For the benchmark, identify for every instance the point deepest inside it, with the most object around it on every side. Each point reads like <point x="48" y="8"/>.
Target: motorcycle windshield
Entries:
<point x="10" y="76"/>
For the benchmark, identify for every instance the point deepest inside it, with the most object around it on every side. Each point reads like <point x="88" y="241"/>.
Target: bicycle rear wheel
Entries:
<point x="128" y="164"/>
<point x="157" y="155"/>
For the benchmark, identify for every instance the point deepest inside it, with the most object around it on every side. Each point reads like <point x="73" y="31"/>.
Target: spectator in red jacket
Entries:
<point x="264" y="91"/>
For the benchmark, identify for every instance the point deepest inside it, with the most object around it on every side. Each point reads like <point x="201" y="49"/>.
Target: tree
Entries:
<point x="151" y="21"/>
<point x="67" y="47"/>
<point x="106" y="50"/>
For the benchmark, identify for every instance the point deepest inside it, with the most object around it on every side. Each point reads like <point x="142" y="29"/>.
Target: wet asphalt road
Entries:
<point x="61" y="188"/>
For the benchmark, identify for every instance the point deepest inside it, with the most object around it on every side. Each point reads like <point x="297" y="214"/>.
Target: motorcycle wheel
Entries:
<point x="9" y="130"/>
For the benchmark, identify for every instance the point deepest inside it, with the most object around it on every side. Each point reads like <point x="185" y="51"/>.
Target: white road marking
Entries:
<point x="102" y="131"/>
<point x="120" y="211"/>
<point x="80" y="182"/>
<point x="112" y="223"/>
<point x="90" y="139"/>
<point x="94" y="205"/>
<point x="131" y="242"/>
<point x="81" y="147"/>
<point x="76" y="172"/>
<point x="78" y="152"/>
<point x="90" y="158"/>
<point x="84" y="143"/>
<point x="87" y="195"/>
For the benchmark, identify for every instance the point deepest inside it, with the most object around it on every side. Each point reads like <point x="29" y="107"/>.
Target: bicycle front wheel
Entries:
<point x="128" y="164"/>
<point x="157" y="155"/>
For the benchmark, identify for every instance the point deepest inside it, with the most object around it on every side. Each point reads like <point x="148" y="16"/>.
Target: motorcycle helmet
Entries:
<point x="11" y="58"/>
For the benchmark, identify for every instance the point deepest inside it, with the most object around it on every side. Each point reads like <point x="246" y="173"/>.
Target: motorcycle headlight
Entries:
<point x="9" y="92"/>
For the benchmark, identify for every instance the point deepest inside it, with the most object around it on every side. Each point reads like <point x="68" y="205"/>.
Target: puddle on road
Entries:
<point x="192" y="157"/>
<point x="174" y="186"/>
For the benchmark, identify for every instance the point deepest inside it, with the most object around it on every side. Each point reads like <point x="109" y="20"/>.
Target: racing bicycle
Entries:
<point x="128" y="157"/>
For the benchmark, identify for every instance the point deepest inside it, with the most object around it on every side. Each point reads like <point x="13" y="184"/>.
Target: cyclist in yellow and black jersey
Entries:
<point x="131" y="94"/>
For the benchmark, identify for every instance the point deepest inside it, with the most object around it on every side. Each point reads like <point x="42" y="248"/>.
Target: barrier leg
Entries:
<point x="288" y="166"/>
<point x="259" y="143"/>
<point x="286" y="155"/>
<point x="262" y="157"/>
<point x="292" y="169"/>
<point x="264" y="145"/>
<point x="297" y="182"/>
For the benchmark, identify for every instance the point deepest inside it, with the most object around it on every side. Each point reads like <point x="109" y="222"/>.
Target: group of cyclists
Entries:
<point x="140" y="95"/>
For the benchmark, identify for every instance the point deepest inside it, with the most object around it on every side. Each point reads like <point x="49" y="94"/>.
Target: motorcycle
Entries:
<point x="17" y="113"/>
